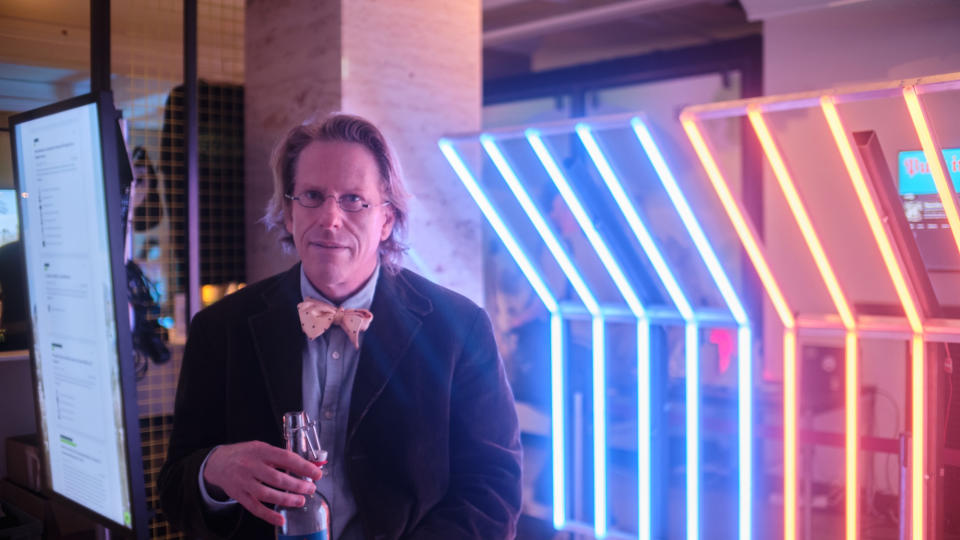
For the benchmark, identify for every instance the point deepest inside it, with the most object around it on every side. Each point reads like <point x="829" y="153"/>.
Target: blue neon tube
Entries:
<point x="556" y="326"/>
<point x="744" y="359"/>
<point x="586" y="296"/>
<point x="633" y="302"/>
<point x="662" y="270"/>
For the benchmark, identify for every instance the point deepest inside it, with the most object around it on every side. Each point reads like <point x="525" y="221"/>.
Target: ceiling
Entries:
<point x="535" y="35"/>
<point x="44" y="44"/>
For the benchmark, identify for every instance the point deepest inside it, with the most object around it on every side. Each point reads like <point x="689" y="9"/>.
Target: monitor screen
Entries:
<point x="66" y="171"/>
<point x="9" y="226"/>
<point x="923" y="209"/>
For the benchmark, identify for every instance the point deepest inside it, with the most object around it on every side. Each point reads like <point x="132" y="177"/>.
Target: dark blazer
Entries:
<point x="433" y="446"/>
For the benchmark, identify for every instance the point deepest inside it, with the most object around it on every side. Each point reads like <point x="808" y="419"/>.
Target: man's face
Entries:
<point x="338" y="248"/>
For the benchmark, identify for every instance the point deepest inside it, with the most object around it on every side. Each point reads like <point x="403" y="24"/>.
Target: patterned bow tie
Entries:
<point x="317" y="316"/>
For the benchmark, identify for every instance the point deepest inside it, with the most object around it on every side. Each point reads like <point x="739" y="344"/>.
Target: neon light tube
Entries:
<point x="556" y="326"/>
<point x="558" y="433"/>
<point x="580" y="286"/>
<point x="790" y="434"/>
<point x="748" y="237"/>
<point x="904" y="294"/>
<point x="644" y="429"/>
<point x="640" y="230"/>
<point x="536" y="218"/>
<point x="801" y="216"/>
<point x="744" y="360"/>
<point x="745" y="430"/>
<point x="473" y="188"/>
<point x="852" y="435"/>
<point x="599" y="430"/>
<point x="586" y="224"/>
<point x="690" y="222"/>
<point x="692" y="380"/>
<point x="917" y="442"/>
<point x="870" y="210"/>
<point x="599" y="375"/>
<point x="934" y="158"/>
<point x="691" y="347"/>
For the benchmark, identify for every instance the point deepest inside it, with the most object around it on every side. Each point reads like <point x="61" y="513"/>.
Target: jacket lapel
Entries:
<point x="397" y="316"/>
<point x="279" y="343"/>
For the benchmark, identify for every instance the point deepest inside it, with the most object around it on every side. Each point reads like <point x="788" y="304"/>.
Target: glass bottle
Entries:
<point x="312" y="520"/>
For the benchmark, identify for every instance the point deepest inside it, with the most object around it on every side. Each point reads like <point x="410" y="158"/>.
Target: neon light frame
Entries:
<point x="842" y="305"/>
<point x="734" y="306"/>
<point x="722" y="282"/>
<point x="750" y="241"/>
<point x="909" y="90"/>
<point x="691" y="349"/>
<point x="557" y="433"/>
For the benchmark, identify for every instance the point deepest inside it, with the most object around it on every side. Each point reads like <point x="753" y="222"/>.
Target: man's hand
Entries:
<point x="249" y="472"/>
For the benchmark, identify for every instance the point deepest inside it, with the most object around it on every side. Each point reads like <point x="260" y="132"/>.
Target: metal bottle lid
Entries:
<point x="303" y="436"/>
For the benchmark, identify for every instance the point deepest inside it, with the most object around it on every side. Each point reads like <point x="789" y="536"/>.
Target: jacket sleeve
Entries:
<point x="483" y="500"/>
<point x="197" y="428"/>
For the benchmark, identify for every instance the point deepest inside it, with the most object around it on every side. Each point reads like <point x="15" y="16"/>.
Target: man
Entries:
<point x="416" y="414"/>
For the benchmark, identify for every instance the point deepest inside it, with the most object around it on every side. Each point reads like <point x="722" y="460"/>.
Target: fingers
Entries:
<point x="292" y="463"/>
<point x="256" y="508"/>
<point x="268" y="495"/>
<point x="280" y="480"/>
<point x="249" y="473"/>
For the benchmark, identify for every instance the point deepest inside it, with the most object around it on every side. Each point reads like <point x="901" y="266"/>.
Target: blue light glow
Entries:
<point x="556" y="326"/>
<point x="644" y="429"/>
<point x="586" y="225"/>
<point x="744" y="359"/>
<point x="572" y="274"/>
<point x="599" y="369"/>
<point x="599" y="431"/>
<point x="691" y="376"/>
<point x="558" y="437"/>
<point x="659" y="264"/>
<point x="549" y="238"/>
<point x="690" y="222"/>
<point x="745" y="430"/>
<point x="539" y="286"/>
<point x="636" y="224"/>
<point x="692" y="319"/>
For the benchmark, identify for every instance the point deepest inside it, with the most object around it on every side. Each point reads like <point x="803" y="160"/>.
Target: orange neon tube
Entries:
<point x="744" y="230"/>
<point x="917" y="442"/>
<point x="851" y="389"/>
<point x="748" y="238"/>
<point x="801" y="216"/>
<point x="869" y="206"/>
<point x="935" y="160"/>
<point x="790" y="434"/>
<point x="852" y="435"/>
<point x="905" y="295"/>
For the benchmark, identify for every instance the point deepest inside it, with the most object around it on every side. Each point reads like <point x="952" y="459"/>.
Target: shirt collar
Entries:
<point x="361" y="299"/>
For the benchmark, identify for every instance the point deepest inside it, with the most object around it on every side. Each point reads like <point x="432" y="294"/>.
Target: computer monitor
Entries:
<point x="924" y="211"/>
<point x="67" y="163"/>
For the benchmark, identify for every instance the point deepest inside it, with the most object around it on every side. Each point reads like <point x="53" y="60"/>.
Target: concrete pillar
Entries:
<point x="413" y="68"/>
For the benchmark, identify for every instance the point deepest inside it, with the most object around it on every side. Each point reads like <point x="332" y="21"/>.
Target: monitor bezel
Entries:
<point x="108" y="124"/>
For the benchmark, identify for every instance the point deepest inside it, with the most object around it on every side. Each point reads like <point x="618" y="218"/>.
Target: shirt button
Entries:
<point x="335" y="355"/>
<point x="328" y="414"/>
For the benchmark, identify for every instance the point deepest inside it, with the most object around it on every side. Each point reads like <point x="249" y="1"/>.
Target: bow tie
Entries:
<point x="317" y="316"/>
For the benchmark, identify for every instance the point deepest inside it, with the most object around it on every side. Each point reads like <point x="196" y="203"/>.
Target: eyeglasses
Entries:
<point x="347" y="203"/>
